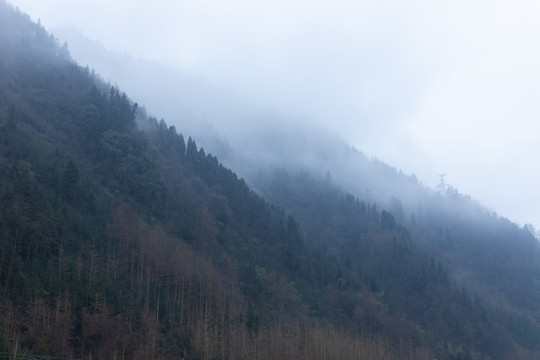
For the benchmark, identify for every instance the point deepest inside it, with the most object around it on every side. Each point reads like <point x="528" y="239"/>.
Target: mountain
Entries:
<point x="120" y="238"/>
<point x="487" y="254"/>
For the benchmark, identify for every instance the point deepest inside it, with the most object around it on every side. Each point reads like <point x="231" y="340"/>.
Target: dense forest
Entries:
<point x="121" y="238"/>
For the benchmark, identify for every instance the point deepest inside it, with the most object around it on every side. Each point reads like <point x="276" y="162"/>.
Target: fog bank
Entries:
<point x="430" y="87"/>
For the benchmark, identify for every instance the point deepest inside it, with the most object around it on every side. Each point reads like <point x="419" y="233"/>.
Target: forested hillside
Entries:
<point x="468" y="276"/>
<point x="122" y="243"/>
<point x="121" y="238"/>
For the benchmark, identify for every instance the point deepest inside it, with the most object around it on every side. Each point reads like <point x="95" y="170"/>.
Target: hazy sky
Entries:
<point x="429" y="86"/>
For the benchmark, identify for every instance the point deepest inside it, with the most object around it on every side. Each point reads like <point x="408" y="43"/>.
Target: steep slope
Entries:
<point x="485" y="252"/>
<point x="119" y="243"/>
<point x="455" y="272"/>
<point x="119" y="238"/>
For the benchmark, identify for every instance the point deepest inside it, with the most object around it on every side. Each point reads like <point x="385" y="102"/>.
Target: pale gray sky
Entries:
<point x="428" y="86"/>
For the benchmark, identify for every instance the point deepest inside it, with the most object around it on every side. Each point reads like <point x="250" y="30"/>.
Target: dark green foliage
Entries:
<point x="192" y="154"/>
<point x="413" y="291"/>
<point x="69" y="157"/>
<point x="70" y="182"/>
<point x="387" y="221"/>
<point x="116" y="242"/>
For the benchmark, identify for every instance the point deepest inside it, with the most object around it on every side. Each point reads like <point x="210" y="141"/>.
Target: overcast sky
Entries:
<point x="428" y="86"/>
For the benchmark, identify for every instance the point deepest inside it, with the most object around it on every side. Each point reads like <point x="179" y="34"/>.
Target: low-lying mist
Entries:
<point x="413" y="91"/>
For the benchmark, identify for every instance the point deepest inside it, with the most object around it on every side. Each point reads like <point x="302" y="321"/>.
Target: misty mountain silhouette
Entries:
<point x="119" y="237"/>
